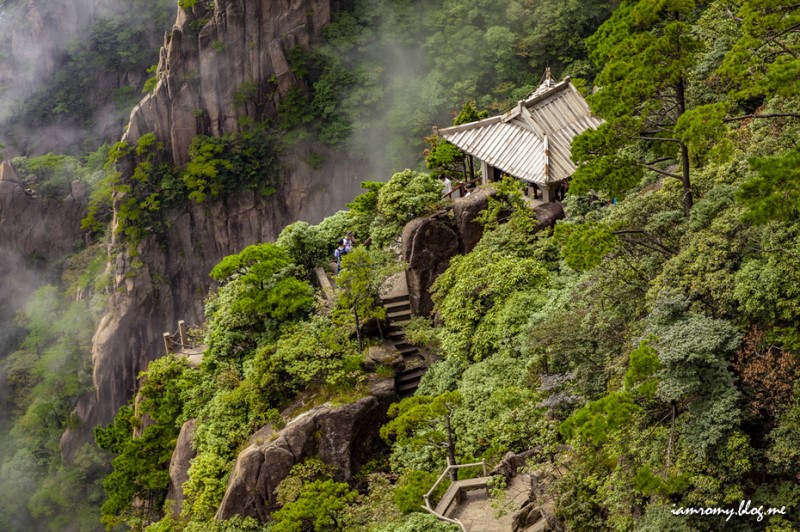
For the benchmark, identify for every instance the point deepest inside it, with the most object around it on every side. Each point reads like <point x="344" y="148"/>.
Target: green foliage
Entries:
<point x="303" y="243"/>
<point x="445" y="158"/>
<point x="312" y="353"/>
<point x="593" y="422"/>
<point x="364" y="208"/>
<point x="230" y="163"/>
<point x="141" y="465"/>
<point x="142" y="197"/>
<point x="410" y="488"/>
<point x="500" y="411"/>
<point x="471" y="294"/>
<point x="644" y="363"/>
<point x="507" y="205"/>
<point x="418" y="522"/>
<point x="309" y="470"/>
<point x="405" y="196"/>
<point x="361" y="276"/>
<point x="645" y="51"/>
<point x="766" y="284"/>
<point x="208" y="478"/>
<point x="96" y="78"/>
<point x="50" y="175"/>
<point x="423" y="422"/>
<point x="585" y="245"/>
<point x="260" y="282"/>
<point x="320" y="505"/>
<point x="693" y="351"/>
<point x="764" y="58"/>
<point x="42" y="380"/>
<point x="774" y="194"/>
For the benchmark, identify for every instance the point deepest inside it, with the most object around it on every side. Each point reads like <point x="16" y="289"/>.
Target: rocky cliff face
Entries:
<point x="39" y="44"/>
<point x="344" y="437"/>
<point x="235" y="67"/>
<point x="197" y="94"/>
<point x="35" y="232"/>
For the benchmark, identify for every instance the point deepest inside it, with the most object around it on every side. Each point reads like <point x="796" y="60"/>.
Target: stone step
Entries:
<point x="400" y="315"/>
<point x="407" y="389"/>
<point x="400" y="305"/>
<point x="410" y="375"/>
<point x="395" y="299"/>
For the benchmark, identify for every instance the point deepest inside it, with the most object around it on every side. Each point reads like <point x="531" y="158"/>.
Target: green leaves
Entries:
<point x="466" y="294"/>
<point x="141" y="465"/>
<point x="646" y="51"/>
<point x="584" y="246"/>
<point x="701" y="128"/>
<point x="230" y="163"/>
<point x="320" y="506"/>
<point x="594" y="423"/>
<point x="405" y="196"/>
<point x="420" y="420"/>
<point x="775" y="193"/>
<point x="765" y="58"/>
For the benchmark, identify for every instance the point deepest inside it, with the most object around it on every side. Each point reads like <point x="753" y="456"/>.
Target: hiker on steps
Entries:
<point x="340" y="252"/>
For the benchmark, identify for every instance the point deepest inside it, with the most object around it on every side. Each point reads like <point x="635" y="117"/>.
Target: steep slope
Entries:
<point x="70" y="71"/>
<point x="200" y="92"/>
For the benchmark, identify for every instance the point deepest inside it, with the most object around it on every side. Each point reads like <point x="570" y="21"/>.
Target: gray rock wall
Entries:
<point x="344" y="437"/>
<point x="197" y="94"/>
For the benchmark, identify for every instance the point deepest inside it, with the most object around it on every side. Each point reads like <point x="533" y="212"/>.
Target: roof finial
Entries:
<point x="548" y="81"/>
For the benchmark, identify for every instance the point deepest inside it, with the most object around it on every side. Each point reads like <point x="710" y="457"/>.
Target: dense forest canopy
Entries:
<point x="645" y="349"/>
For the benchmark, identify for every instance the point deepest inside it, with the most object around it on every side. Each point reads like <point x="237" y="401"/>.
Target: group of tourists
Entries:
<point x="345" y="246"/>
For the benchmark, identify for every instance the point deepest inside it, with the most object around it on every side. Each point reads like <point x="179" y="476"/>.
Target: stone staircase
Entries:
<point x="398" y="310"/>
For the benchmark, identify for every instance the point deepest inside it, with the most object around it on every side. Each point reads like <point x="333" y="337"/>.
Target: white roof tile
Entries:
<point x="509" y="143"/>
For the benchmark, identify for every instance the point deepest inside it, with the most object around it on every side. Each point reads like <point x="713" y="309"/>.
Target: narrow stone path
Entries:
<point x="477" y="514"/>
<point x="396" y="300"/>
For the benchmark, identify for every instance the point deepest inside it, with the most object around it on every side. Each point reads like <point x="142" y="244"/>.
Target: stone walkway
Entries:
<point x="478" y="515"/>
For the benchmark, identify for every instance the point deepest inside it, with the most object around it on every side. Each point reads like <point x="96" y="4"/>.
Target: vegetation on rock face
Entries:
<point x="141" y="187"/>
<point x="91" y="83"/>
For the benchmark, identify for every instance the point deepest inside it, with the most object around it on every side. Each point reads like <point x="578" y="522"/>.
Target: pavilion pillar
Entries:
<point x="485" y="169"/>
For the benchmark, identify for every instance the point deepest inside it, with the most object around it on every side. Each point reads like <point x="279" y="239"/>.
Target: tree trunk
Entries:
<point x="471" y="168"/>
<point x="358" y="331"/>
<point x="671" y="434"/>
<point x="451" y="446"/>
<point x="687" y="186"/>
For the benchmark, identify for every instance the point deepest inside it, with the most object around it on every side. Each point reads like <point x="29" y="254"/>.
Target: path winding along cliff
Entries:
<point x="202" y="74"/>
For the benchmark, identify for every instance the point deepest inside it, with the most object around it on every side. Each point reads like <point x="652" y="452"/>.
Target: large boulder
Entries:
<point x="547" y="214"/>
<point x="465" y="210"/>
<point x="343" y="436"/>
<point x="384" y="354"/>
<point x="179" y="466"/>
<point x="428" y="246"/>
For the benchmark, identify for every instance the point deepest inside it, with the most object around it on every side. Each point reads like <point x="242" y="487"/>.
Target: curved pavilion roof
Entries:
<point x="532" y="140"/>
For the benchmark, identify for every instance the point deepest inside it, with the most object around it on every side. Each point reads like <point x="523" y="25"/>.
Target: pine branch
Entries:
<point x="770" y="115"/>
<point x="659" y="171"/>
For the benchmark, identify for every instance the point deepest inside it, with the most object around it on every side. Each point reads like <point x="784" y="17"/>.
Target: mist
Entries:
<point x="70" y="72"/>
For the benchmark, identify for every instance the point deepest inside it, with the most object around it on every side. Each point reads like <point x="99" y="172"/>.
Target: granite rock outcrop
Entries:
<point x="220" y="67"/>
<point x="344" y="437"/>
